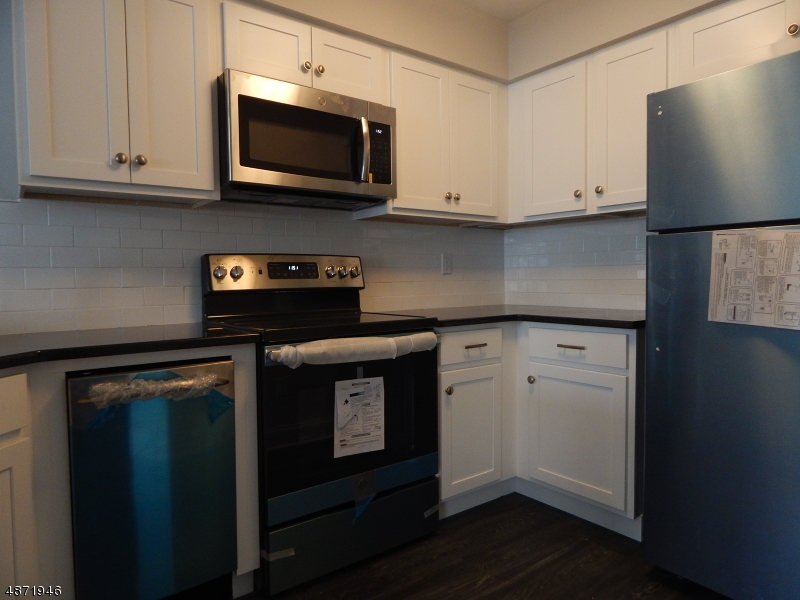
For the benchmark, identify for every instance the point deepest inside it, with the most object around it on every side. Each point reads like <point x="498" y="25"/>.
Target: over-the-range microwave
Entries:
<point x="283" y="143"/>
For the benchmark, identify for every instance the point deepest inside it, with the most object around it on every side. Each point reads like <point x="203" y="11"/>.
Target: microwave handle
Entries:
<point x="365" y="164"/>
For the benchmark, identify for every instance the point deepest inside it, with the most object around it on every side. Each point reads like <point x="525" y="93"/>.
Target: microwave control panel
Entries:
<point x="244" y="272"/>
<point x="380" y="155"/>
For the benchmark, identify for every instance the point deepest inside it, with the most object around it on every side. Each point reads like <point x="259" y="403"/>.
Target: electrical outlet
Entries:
<point x="447" y="264"/>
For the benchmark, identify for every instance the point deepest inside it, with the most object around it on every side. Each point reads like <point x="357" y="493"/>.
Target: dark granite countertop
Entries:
<point x="27" y="348"/>
<point x="498" y="313"/>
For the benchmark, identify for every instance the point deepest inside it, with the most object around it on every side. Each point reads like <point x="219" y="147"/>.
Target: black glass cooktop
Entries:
<point x="325" y="324"/>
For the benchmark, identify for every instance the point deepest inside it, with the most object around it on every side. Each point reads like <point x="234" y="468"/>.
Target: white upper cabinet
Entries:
<point x="621" y="79"/>
<point x="77" y="88"/>
<point x="733" y="35"/>
<point x="170" y="93"/>
<point x="446" y="139"/>
<point x="273" y="46"/>
<point x="95" y="105"/>
<point x="554" y="132"/>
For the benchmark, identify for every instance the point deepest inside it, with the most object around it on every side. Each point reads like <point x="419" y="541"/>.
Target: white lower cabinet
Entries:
<point x="579" y="413"/>
<point x="471" y="428"/>
<point x="17" y="532"/>
<point x="470" y="400"/>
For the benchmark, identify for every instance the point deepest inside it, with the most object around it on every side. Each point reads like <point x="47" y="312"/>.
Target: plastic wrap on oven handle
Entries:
<point x="344" y="350"/>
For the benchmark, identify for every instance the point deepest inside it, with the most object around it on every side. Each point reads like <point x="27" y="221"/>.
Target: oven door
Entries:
<point x="294" y="137"/>
<point x="304" y="466"/>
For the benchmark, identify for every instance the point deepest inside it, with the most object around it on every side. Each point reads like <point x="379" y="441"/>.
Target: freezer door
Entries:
<point x="725" y="151"/>
<point x="722" y="435"/>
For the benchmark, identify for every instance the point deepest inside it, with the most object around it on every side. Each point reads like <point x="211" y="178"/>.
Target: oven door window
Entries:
<point x="299" y="141"/>
<point x="298" y="410"/>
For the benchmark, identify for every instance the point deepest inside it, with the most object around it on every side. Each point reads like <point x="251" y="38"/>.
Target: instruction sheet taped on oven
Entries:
<point x="755" y="277"/>
<point x="358" y="422"/>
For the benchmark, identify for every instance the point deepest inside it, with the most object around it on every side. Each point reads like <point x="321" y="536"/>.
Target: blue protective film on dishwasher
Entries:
<point x="361" y="506"/>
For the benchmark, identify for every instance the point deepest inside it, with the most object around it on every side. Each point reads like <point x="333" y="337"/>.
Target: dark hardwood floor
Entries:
<point x="511" y="548"/>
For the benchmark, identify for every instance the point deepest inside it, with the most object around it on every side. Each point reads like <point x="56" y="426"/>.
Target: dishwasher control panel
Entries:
<point x="243" y="272"/>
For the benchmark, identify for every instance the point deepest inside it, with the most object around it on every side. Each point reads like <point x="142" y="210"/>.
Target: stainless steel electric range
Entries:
<point x="348" y="419"/>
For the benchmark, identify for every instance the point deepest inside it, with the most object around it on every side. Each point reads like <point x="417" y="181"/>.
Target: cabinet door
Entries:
<point x="471" y="428"/>
<point x="76" y="88"/>
<point x="421" y="95"/>
<point x="622" y="77"/>
<point x="265" y="44"/>
<point x="735" y="35"/>
<point x="170" y="86"/>
<point x="473" y="145"/>
<point x="555" y="140"/>
<point x="577" y="431"/>
<point x="350" y="67"/>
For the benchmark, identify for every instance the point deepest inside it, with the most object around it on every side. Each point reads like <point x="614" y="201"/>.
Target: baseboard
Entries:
<point x="473" y="498"/>
<point x="631" y="528"/>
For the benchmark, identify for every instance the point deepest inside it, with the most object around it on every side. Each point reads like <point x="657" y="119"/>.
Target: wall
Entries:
<point x="596" y="264"/>
<point x="444" y="30"/>
<point x="70" y="265"/>
<point x="563" y="29"/>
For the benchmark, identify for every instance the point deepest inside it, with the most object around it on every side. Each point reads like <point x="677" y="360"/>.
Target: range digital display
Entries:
<point x="292" y="270"/>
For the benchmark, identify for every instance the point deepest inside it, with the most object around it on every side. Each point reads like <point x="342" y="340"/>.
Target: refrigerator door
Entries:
<point x="725" y="151"/>
<point x="722" y="435"/>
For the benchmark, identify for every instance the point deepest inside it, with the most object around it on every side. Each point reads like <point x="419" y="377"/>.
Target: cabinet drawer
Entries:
<point x="584" y="347"/>
<point x="14" y="407"/>
<point x="467" y="346"/>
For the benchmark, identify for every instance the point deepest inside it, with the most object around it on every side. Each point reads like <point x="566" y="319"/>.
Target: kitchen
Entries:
<point x="70" y="266"/>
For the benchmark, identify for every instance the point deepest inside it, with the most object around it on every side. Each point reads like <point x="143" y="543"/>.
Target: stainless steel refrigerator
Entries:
<point x="722" y="408"/>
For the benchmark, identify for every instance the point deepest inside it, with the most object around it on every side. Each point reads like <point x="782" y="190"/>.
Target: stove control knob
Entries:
<point x="237" y="272"/>
<point x="354" y="272"/>
<point x="330" y="271"/>
<point x="342" y="272"/>
<point x="220" y="272"/>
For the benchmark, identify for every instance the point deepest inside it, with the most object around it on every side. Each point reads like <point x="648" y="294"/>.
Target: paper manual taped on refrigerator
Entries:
<point x="358" y="423"/>
<point x="755" y="277"/>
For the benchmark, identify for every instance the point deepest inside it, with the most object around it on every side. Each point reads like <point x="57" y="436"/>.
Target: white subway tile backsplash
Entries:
<point x="231" y="224"/>
<point x="22" y="256"/>
<point x="191" y="221"/>
<point x="98" y="278"/>
<point x="30" y="213"/>
<point x="96" y="237"/>
<point x="182" y="314"/>
<point x="26" y="300"/>
<point x="157" y="257"/>
<point x="143" y="277"/>
<point x="181" y="239"/>
<point x="119" y="297"/>
<point x="141" y="238"/>
<point x="161" y="296"/>
<point x="181" y="277"/>
<point x="119" y="217"/>
<point x="10" y="234"/>
<point x="71" y="213"/>
<point x="49" y="279"/>
<point x="142" y="316"/>
<point x="98" y="318"/>
<point x="74" y="257"/>
<point x="218" y="242"/>
<point x="161" y="219"/>
<point x="12" y="279"/>
<point x="120" y="257"/>
<point x="47" y="235"/>
<point x="268" y="227"/>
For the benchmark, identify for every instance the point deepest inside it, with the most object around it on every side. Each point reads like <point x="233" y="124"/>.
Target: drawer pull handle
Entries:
<point x="449" y="390"/>
<point x="471" y="346"/>
<point x="568" y="347"/>
<point x="531" y="379"/>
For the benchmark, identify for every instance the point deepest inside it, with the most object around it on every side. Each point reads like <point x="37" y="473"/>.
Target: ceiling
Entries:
<point x="507" y="10"/>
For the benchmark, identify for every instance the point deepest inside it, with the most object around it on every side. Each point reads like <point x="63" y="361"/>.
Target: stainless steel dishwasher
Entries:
<point x="152" y="463"/>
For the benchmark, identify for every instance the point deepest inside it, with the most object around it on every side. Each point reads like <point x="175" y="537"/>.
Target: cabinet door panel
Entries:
<point x="265" y="44"/>
<point x="77" y="88"/>
<point x="17" y="532"/>
<point x="471" y="428"/>
<point x="420" y="92"/>
<point x="623" y="76"/>
<point x="577" y="432"/>
<point x="352" y="67"/>
<point x="170" y="89"/>
<point x="735" y="35"/>
<point x="555" y="144"/>
<point x="473" y="144"/>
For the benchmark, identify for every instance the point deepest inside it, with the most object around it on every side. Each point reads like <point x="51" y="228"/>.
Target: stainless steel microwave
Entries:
<point x="283" y="143"/>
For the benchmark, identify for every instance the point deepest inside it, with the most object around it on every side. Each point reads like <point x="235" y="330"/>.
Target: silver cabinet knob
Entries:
<point x="320" y="69"/>
<point x="531" y="379"/>
<point x="307" y="66"/>
<point x="342" y="272"/>
<point x="598" y="189"/>
<point x="577" y="193"/>
<point x="237" y="272"/>
<point x="140" y="160"/>
<point x="448" y="195"/>
<point x="456" y="196"/>
<point x="449" y="390"/>
<point x="330" y="271"/>
<point x="355" y="271"/>
<point x="793" y="29"/>
<point x="121" y="158"/>
<point x="220" y="272"/>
